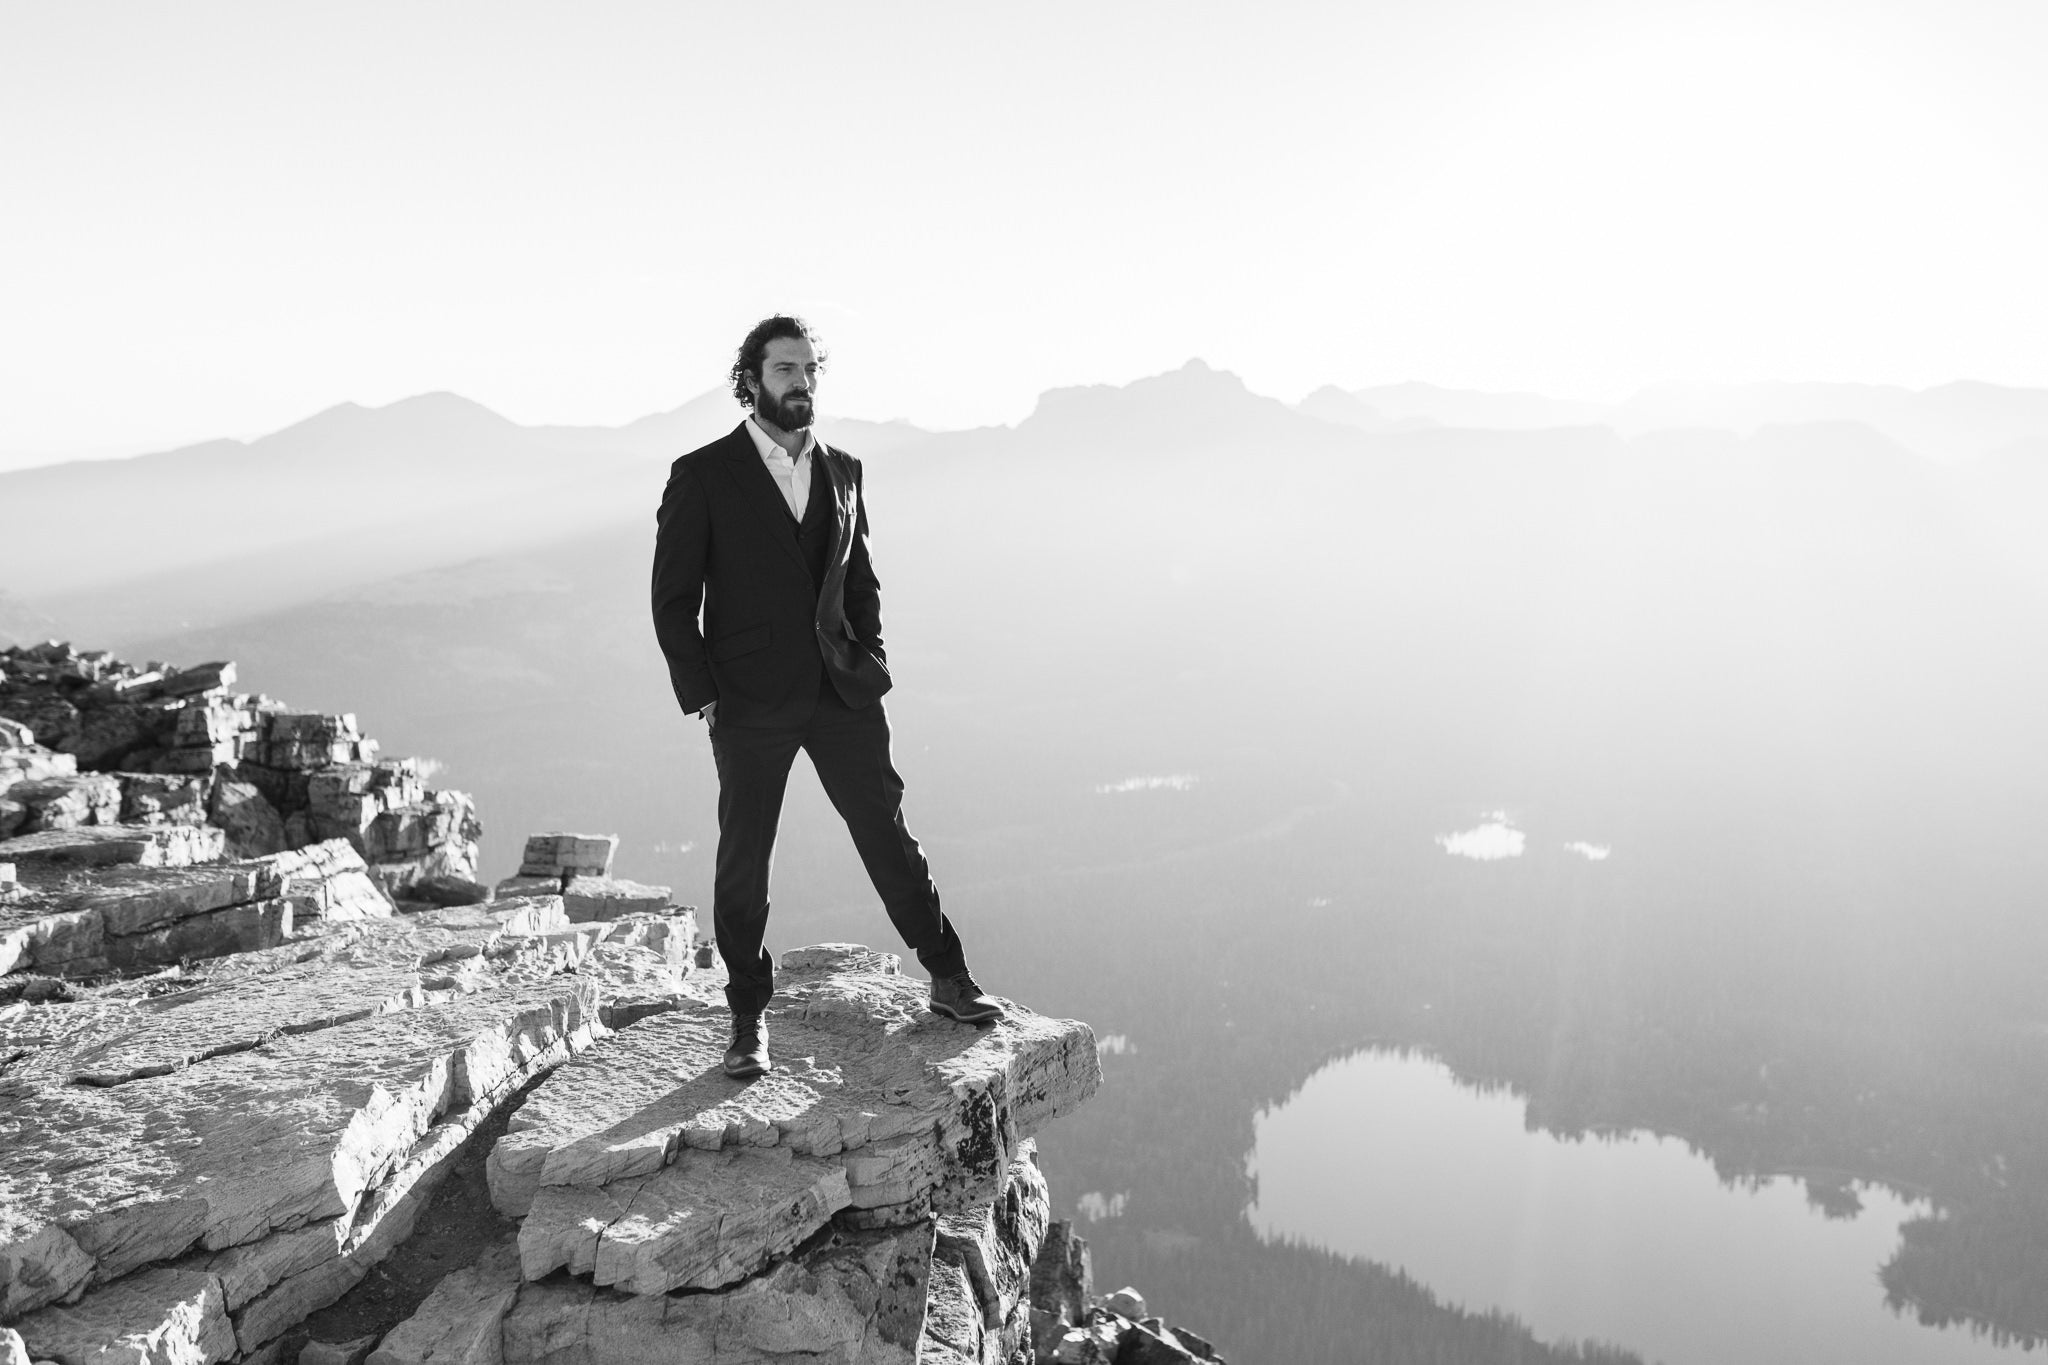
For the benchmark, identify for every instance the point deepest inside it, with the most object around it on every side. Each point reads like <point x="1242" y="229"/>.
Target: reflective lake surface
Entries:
<point x="1634" y="1241"/>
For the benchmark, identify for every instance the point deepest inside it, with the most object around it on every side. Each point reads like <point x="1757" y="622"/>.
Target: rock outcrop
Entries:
<point x="233" y="1077"/>
<point x="1070" y="1326"/>
<point x="826" y="1210"/>
<point x="192" y="1163"/>
<point x="95" y="751"/>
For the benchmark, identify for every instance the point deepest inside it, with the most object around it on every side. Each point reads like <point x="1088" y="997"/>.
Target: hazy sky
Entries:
<point x="217" y="218"/>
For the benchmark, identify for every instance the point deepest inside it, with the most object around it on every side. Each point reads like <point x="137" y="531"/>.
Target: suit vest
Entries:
<point x="814" y="530"/>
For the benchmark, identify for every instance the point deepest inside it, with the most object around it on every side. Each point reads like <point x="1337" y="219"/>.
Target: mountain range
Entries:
<point x="1190" y="682"/>
<point x="115" y="550"/>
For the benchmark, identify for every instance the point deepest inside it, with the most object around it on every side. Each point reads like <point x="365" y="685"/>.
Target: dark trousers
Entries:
<point x="850" y="750"/>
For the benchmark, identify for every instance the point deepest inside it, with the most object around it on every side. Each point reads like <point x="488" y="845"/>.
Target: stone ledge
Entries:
<point x="621" y="1161"/>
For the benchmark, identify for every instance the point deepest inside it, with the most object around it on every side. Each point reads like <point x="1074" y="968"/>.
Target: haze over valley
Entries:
<point x="1199" y="695"/>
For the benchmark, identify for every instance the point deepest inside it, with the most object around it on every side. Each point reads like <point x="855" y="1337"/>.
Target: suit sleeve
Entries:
<point x="863" y="591"/>
<point x="682" y="544"/>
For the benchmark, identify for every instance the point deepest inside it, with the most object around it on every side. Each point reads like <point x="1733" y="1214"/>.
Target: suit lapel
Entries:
<point x="743" y="462"/>
<point x="842" y="491"/>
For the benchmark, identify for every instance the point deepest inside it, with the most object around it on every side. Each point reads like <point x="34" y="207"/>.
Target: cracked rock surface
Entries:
<point x="625" y="1164"/>
<point x="261" y="1029"/>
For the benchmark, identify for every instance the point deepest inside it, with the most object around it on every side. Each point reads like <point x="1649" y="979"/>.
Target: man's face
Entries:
<point x="789" y="376"/>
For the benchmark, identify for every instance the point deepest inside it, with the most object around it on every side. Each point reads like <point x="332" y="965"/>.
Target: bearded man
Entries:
<point x="768" y="612"/>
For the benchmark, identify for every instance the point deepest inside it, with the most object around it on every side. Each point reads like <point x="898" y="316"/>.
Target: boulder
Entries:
<point x="568" y="855"/>
<point x="1145" y="1344"/>
<point x="446" y="890"/>
<point x="1126" y="1303"/>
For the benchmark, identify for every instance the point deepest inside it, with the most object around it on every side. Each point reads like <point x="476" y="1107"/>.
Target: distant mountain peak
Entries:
<point x="1195" y="405"/>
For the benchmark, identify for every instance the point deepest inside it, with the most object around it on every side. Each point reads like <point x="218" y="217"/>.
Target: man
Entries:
<point x="765" y="531"/>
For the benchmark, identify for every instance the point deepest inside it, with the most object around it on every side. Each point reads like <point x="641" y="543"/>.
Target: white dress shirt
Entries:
<point x="792" y="476"/>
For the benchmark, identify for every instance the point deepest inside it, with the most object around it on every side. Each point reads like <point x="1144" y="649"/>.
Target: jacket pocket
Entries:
<point x="733" y="645"/>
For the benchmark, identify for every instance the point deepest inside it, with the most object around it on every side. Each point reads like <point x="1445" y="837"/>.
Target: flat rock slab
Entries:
<point x="107" y="845"/>
<point x="851" y="1298"/>
<point x="232" y="1004"/>
<point x="607" y="898"/>
<point x="145" y="913"/>
<point x="918" y="1111"/>
<point x="172" y="1316"/>
<point x="130" y="900"/>
<point x="153" y="1037"/>
<point x="444" y="938"/>
<point x="230" y="1149"/>
<point x="703" y="1223"/>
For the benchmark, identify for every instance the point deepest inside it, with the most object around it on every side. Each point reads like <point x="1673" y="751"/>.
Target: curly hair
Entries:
<point x="747" y="361"/>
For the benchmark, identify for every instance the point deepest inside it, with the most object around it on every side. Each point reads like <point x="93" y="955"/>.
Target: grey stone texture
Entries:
<point x="589" y="898"/>
<point x="236" y="1075"/>
<point x="568" y="855"/>
<point x="127" y="747"/>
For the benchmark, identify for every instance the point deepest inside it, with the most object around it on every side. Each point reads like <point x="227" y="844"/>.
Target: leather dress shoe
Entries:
<point x="748" y="1055"/>
<point x="960" y="998"/>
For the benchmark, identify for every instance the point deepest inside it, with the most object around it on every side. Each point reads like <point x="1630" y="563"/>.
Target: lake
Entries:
<point x="1388" y="1157"/>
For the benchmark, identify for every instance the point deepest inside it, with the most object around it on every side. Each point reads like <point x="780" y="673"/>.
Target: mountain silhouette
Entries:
<point x="222" y="530"/>
<point x="210" y="532"/>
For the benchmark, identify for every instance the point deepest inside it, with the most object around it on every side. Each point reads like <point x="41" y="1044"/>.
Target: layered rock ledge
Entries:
<point x="875" y="1198"/>
<point x="107" y="761"/>
<point x="188" y="1173"/>
<point x="255" y="1011"/>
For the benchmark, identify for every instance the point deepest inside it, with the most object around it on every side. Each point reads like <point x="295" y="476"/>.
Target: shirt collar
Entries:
<point x="765" y="443"/>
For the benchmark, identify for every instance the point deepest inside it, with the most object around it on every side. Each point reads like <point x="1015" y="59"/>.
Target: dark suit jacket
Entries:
<point x="726" y="546"/>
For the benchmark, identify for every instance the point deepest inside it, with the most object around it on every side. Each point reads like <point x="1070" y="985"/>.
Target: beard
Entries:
<point x="792" y="412"/>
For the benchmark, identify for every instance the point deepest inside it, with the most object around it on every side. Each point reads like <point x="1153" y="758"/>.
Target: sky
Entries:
<point x="218" y="218"/>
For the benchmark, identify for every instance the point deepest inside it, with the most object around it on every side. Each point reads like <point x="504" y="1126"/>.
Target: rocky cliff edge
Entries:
<point x="230" y="1086"/>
